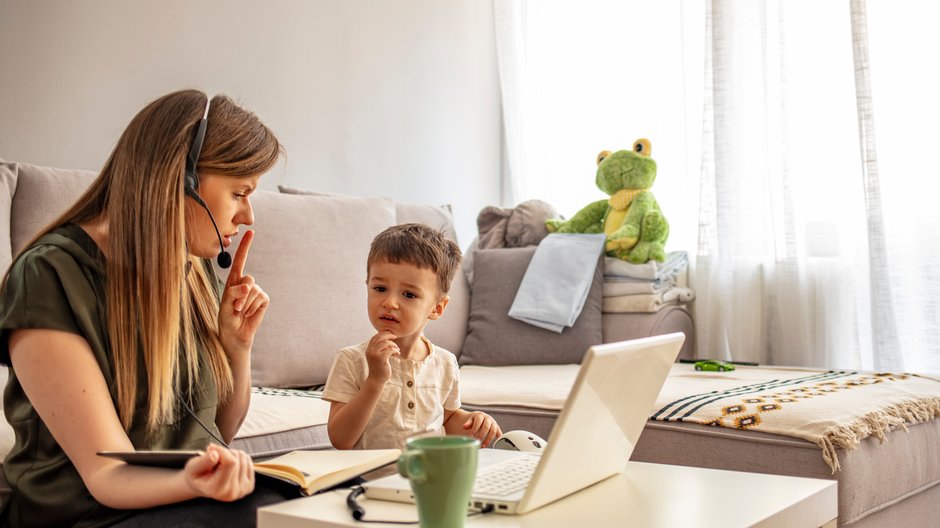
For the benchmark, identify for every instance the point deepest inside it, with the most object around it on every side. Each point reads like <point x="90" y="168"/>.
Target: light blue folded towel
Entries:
<point x="557" y="281"/>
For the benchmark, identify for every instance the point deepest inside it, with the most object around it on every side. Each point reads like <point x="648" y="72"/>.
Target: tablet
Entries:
<point x="173" y="458"/>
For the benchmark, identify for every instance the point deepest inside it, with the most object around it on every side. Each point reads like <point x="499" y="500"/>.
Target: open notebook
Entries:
<point x="312" y="471"/>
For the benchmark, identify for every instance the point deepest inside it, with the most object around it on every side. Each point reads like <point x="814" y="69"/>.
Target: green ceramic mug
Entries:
<point x="441" y="470"/>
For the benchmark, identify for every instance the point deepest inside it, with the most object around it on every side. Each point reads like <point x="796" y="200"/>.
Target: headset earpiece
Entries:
<point x="190" y="180"/>
<point x="191" y="184"/>
<point x="190" y="176"/>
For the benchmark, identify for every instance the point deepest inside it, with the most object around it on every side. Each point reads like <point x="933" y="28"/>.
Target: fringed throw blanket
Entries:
<point x="833" y="409"/>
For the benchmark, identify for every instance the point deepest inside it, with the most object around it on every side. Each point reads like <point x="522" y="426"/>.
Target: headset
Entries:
<point x="191" y="183"/>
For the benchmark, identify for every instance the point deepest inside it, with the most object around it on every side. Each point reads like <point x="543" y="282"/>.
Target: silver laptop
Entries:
<point x="593" y="438"/>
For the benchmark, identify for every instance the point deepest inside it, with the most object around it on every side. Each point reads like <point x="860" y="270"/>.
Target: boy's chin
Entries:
<point x="384" y="325"/>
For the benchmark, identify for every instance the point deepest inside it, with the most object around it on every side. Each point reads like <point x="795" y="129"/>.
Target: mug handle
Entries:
<point x="411" y="466"/>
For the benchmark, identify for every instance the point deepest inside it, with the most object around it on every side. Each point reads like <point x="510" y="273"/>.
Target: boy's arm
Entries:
<point x="348" y="420"/>
<point x="477" y="424"/>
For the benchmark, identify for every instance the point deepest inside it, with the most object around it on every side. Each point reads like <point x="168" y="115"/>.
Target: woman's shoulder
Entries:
<point x="49" y="286"/>
<point x="61" y="251"/>
<point x="42" y="265"/>
<point x="59" y="268"/>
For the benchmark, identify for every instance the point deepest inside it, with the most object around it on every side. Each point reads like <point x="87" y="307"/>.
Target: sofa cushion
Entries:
<point x="282" y="420"/>
<point x="526" y="386"/>
<point x="669" y="319"/>
<point x="309" y="254"/>
<point x="446" y="332"/>
<point x="494" y="338"/>
<point x="30" y="198"/>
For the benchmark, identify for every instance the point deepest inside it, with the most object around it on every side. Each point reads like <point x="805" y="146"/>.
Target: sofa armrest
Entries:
<point x="622" y="326"/>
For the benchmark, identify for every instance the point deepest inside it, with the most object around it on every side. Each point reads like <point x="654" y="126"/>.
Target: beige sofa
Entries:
<point x="309" y="255"/>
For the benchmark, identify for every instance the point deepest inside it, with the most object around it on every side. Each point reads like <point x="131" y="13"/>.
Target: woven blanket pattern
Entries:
<point x="833" y="409"/>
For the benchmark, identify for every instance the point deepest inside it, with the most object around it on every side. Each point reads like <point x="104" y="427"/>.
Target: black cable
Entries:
<point x="358" y="512"/>
<point x="213" y="435"/>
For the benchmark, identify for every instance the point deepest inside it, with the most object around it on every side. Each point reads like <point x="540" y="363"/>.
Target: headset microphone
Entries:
<point x="224" y="259"/>
<point x="191" y="184"/>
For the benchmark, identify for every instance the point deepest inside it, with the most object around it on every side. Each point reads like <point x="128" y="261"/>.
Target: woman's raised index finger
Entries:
<point x="241" y="255"/>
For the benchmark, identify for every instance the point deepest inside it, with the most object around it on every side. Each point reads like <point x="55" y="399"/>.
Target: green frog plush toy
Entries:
<point x="635" y="226"/>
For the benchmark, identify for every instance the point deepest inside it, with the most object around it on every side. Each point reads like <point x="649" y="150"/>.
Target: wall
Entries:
<point x="378" y="98"/>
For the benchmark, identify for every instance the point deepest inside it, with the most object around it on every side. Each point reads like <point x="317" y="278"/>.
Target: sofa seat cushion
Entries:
<point x="872" y="477"/>
<point x="543" y="387"/>
<point x="282" y="420"/>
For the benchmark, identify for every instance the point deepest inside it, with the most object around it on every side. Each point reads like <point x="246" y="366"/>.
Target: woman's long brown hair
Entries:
<point x="160" y="316"/>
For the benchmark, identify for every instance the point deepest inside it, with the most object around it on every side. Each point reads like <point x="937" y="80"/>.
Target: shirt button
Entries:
<point x="411" y="405"/>
<point x="410" y="383"/>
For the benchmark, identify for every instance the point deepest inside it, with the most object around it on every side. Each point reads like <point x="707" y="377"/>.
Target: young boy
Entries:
<point x="398" y="384"/>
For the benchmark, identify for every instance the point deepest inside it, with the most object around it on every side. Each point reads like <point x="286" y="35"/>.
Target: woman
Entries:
<point x="119" y="337"/>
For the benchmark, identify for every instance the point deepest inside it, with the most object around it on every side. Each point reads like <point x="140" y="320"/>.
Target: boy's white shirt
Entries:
<point x="435" y="390"/>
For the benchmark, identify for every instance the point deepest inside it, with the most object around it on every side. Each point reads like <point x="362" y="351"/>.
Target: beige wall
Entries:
<point x="395" y="98"/>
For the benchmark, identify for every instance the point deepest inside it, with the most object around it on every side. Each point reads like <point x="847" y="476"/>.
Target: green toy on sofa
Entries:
<point x="631" y="218"/>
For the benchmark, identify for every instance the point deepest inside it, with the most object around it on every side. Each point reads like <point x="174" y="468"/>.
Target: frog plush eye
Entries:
<point x="643" y="147"/>
<point x="602" y="155"/>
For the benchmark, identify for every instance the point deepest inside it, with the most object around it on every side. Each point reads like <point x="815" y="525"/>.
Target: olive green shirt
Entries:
<point x="59" y="284"/>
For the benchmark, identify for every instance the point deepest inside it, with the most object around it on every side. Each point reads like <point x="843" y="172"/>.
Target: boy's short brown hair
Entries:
<point x="420" y="245"/>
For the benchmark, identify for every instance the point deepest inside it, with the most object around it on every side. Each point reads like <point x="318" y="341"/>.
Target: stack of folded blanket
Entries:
<point x="645" y="288"/>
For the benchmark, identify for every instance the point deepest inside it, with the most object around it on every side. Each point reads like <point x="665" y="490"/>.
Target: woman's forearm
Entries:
<point x="65" y="385"/>
<point x="127" y="487"/>
<point x="231" y="413"/>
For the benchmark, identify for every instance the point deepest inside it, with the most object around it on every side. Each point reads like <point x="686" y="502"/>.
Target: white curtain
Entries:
<point x="814" y="240"/>
<point x="581" y="77"/>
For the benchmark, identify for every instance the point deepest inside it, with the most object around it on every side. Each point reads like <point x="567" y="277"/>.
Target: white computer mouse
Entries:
<point x="520" y="441"/>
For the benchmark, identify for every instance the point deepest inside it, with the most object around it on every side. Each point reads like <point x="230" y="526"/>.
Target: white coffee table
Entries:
<point x="647" y="495"/>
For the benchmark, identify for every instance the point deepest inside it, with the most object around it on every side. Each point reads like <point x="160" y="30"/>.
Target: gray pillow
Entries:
<point x="495" y="339"/>
<point x="440" y="217"/>
<point x="32" y="196"/>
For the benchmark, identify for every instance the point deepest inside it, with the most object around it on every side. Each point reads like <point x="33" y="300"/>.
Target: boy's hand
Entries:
<point x="381" y="346"/>
<point x="482" y="427"/>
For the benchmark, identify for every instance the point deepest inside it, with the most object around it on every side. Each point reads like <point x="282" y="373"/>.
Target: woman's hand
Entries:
<point x="243" y="304"/>
<point x="221" y="474"/>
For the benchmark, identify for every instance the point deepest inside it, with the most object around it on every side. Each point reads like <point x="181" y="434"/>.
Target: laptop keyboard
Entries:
<point x="507" y="477"/>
